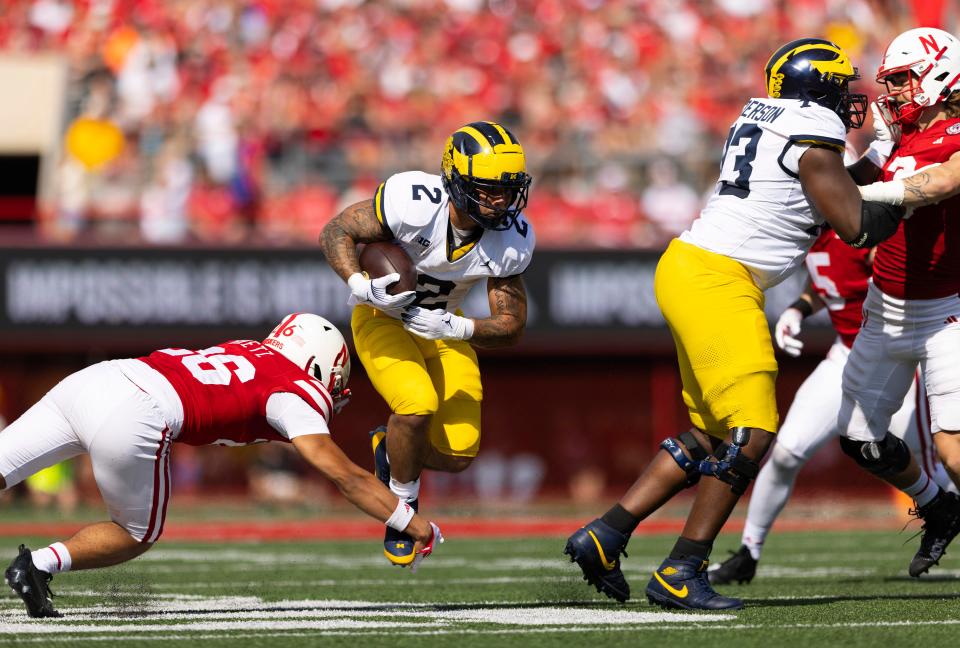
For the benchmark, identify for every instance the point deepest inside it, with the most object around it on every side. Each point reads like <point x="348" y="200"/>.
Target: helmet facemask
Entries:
<point x="468" y="194"/>
<point x="834" y="94"/>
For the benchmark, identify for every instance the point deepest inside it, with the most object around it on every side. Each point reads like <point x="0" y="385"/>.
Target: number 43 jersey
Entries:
<point x="414" y="207"/>
<point x="758" y="213"/>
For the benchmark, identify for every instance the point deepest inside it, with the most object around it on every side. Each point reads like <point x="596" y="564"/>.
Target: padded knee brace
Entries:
<point x="885" y="458"/>
<point x="740" y="470"/>
<point x="698" y="454"/>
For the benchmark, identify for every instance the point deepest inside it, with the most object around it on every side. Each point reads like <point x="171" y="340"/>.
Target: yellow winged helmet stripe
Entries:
<point x="839" y="66"/>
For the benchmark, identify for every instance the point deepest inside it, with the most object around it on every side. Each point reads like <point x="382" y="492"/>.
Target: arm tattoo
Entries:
<point x="508" y="314"/>
<point x="356" y="224"/>
<point x="916" y="187"/>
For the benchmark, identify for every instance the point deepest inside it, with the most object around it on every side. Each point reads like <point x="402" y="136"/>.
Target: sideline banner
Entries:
<point x="81" y="293"/>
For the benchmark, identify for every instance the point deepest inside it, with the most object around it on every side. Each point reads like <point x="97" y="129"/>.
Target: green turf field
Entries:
<point x="813" y="589"/>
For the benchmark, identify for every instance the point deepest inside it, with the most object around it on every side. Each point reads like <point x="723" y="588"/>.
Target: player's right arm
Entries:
<point x="835" y="196"/>
<point x="359" y="486"/>
<point x="359" y="223"/>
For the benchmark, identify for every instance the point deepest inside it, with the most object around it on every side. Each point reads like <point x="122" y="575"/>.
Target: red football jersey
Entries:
<point x="839" y="275"/>
<point x="224" y="390"/>
<point x="922" y="260"/>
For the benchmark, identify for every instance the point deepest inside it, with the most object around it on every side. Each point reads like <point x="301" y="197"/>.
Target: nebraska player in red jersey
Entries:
<point x="838" y="281"/>
<point x="127" y="414"/>
<point x="912" y="307"/>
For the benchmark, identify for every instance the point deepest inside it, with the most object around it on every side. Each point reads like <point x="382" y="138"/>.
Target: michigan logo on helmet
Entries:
<point x="816" y="70"/>
<point x="316" y="346"/>
<point x="484" y="172"/>
<point x="921" y="68"/>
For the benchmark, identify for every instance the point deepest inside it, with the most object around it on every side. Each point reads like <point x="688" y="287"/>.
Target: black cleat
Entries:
<point x="31" y="584"/>
<point x="596" y="548"/>
<point x="682" y="585"/>
<point x="740" y="567"/>
<point x="941" y="523"/>
<point x="378" y="442"/>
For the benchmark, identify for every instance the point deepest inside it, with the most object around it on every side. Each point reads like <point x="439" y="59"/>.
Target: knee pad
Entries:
<point x="884" y="458"/>
<point x="784" y="460"/>
<point x="690" y="465"/>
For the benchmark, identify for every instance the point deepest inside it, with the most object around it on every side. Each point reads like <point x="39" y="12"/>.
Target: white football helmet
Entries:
<point x="316" y="346"/>
<point x="932" y="59"/>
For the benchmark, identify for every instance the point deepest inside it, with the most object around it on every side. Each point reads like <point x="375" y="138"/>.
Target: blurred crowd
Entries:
<point x="255" y="121"/>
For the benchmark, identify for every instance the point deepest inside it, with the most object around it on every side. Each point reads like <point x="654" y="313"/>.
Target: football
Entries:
<point x="378" y="259"/>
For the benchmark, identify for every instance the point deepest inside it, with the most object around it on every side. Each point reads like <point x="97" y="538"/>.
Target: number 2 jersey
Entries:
<point x="414" y="207"/>
<point x="758" y="213"/>
<point x="922" y="259"/>
<point x="839" y="275"/>
<point x="236" y="393"/>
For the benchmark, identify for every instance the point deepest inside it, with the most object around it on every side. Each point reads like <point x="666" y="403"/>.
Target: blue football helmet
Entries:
<point x="816" y="70"/>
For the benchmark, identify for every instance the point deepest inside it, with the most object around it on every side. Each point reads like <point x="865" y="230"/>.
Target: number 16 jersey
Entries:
<point x="758" y="213"/>
<point x="414" y="207"/>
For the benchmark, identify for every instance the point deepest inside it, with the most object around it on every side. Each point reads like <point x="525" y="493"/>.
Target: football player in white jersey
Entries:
<point x="782" y="175"/>
<point x="460" y="227"/>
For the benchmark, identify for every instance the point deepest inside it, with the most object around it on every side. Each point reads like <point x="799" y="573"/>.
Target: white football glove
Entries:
<point x="373" y="292"/>
<point x="436" y="324"/>
<point x="885" y="137"/>
<point x="786" y="331"/>
<point x="435" y="539"/>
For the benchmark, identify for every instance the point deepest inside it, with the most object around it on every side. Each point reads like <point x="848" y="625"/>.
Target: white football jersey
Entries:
<point x="758" y="213"/>
<point x="413" y="205"/>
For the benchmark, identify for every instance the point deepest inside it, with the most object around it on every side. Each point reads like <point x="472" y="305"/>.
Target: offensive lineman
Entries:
<point x="781" y="176"/>
<point x="126" y="414"/>
<point x="838" y="282"/>
<point x="459" y="228"/>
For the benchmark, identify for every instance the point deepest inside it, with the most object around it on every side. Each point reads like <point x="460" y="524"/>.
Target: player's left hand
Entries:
<point x="786" y="330"/>
<point x="436" y="324"/>
<point x="422" y="550"/>
<point x="884" y="130"/>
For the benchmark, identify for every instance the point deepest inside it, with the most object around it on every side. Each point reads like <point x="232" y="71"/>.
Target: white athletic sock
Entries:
<point x="770" y="493"/>
<point x="407" y="491"/>
<point x="753" y="537"/>
<point x="923" y="491"/>
<point x="53" y="559"/>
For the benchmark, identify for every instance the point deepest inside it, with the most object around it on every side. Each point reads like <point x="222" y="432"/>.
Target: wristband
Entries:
<point x="356" y="281"/>
<point x="401" y="516"/>
<point x="890" y="193"/>
<point x="468" y="327"/>
<point x="802" y="305"/>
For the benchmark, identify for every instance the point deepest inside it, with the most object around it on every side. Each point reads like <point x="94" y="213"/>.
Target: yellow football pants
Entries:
<point x="715" y="313"/>
<point x="418" y="376"/>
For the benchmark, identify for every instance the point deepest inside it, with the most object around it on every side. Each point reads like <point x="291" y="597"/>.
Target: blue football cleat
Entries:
<point x="683" y="584"/>
<point x="596" y="548"/>
<point x="397" y="545"/>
